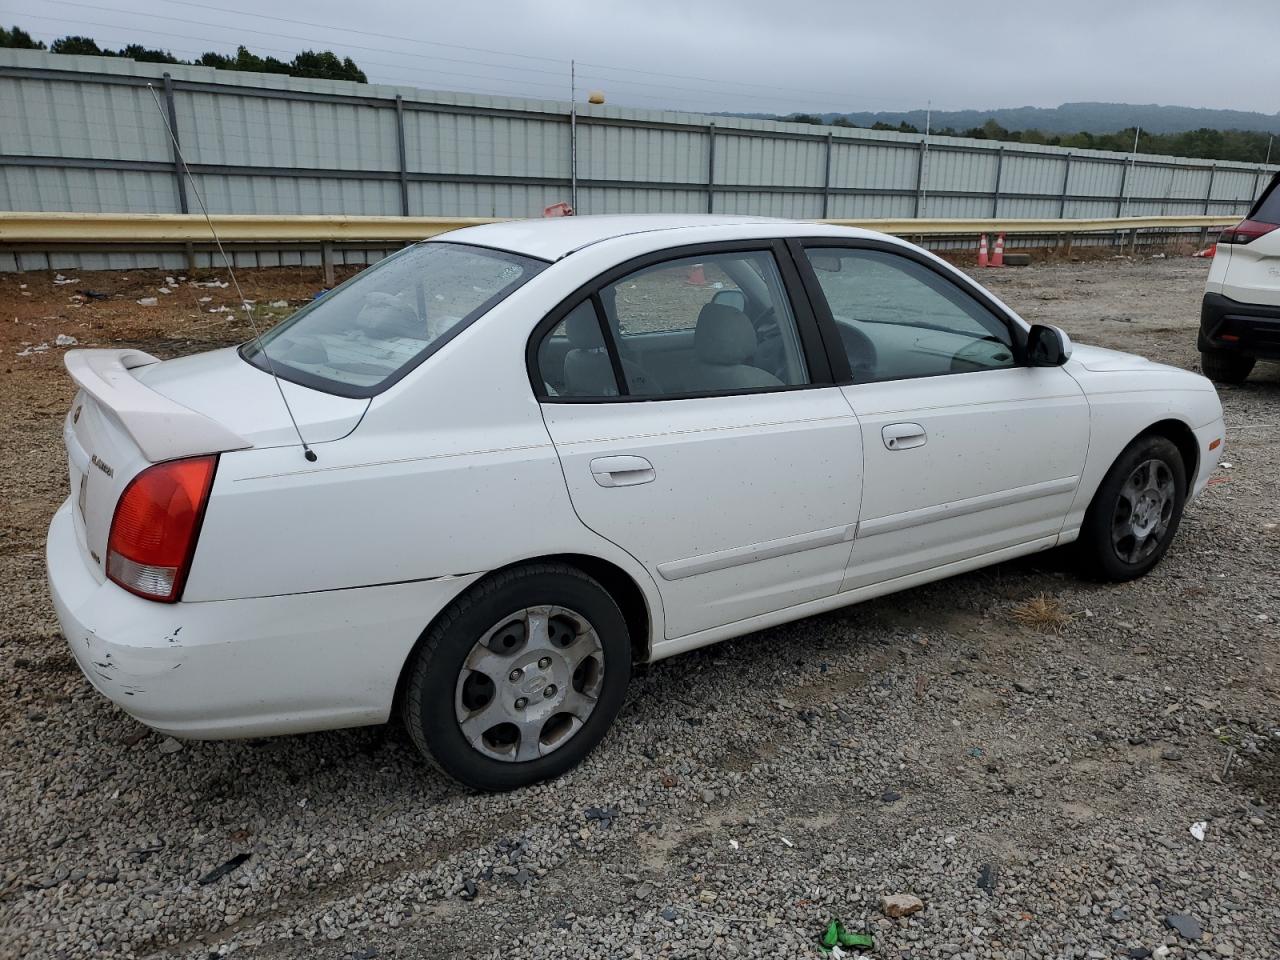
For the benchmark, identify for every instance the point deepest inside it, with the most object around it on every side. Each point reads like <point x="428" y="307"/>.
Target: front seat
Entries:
<point x="723" y="341"/>
<point x="587" y="370"/>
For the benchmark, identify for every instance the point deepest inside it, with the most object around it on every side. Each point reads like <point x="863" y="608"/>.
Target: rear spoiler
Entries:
<point x="162" y="428"/>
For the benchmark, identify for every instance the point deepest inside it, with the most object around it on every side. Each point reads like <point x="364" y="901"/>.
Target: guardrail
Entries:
<point x="61" y="232"/>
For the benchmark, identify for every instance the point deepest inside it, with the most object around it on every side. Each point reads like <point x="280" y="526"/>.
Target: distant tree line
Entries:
<point x="322" y="65"/>
<point x="1248" y="146"/>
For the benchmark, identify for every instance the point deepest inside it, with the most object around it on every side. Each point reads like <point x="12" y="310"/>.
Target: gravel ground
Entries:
<point x="1029" y="771"/>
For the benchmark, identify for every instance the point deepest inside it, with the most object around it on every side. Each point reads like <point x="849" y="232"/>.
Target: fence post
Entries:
<point x="1066" y="177"/>
<point x="1121" y="200"/>
<point x="326" y="262"/>
<point x="173" y="144"/>
<point x="826" y="182"/>
<point x="1208" y="194"/>
<point x="711" y="167"/>
<point x="920" y="162"/>
<point x="995" y="195"/>
<point x="404" y="170"/>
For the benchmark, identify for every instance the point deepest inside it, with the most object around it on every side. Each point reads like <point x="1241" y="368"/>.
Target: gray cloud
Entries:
<point x="744" y="55"/>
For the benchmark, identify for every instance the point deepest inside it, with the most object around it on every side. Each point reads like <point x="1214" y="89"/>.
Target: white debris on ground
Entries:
<point x="61" y="340"/>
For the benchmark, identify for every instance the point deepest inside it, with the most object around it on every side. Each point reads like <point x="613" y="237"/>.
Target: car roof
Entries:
<point x="551" y="238"/>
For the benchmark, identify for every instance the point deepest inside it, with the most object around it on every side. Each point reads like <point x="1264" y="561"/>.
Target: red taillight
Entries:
<point x="153" y="532"/>
<point x="1246" y="230"/>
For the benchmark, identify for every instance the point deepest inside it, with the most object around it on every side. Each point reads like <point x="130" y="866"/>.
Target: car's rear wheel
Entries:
<point x="1136" y="511"/>
<point x="519" y="678"/>
<point x="1223" y="366"/>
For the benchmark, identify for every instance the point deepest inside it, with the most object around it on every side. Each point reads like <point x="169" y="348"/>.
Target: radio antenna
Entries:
<point x="226" y="260"/>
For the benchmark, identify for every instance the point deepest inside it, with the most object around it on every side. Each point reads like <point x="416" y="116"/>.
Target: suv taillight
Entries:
<point x="1246" y="230"/>
<point x="154" y="530"/>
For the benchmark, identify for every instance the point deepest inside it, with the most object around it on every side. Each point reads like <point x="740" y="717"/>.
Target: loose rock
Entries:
<point x="900" y="905"/>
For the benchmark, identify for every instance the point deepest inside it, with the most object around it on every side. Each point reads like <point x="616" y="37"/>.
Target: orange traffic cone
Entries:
<point x="1208" y="251"/>
<point x="982" y="250"/>
<point x="997" y="256"/>
<point x="697" y="276"/>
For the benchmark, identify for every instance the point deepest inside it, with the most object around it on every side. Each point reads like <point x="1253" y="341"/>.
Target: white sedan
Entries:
<point x="528" y="455"/>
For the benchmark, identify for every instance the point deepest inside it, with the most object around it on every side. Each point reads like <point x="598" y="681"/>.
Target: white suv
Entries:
<point x="1240" y="316"/>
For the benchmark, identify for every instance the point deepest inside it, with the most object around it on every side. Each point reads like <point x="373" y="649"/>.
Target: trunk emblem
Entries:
<point x="102" y="465"/>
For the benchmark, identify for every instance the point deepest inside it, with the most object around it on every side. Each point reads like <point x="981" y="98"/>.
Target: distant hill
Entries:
<point x="1072" y="118"/>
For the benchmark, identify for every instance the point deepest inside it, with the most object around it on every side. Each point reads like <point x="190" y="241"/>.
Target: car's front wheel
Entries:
<point x="1222" y="366"/>
<point x="519" y="678"/>
<point x="1136" y="511"/>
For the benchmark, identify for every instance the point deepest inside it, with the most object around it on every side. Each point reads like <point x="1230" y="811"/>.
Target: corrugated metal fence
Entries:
<point x="84" y="134"/>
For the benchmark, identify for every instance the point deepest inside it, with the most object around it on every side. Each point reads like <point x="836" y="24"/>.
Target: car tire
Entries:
<point x="1135" y="513"/>
<point x="1222" y="366"/>
<point x="519" y="678"/>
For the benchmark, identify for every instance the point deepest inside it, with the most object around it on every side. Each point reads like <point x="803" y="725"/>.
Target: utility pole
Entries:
<point x="924" y="163"/>
<point x="1128" y="180"/>
<point x="573" y="136"/>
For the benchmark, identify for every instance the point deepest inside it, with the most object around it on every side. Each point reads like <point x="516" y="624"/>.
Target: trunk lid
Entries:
<point x="1252" y="274"/>
<point x="133" y="410"/>
<point x="224" y="387"/>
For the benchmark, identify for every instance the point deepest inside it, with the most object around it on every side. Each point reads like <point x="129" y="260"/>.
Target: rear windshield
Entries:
<point x="1268" y="207"/>
<point x="366" y="334"/>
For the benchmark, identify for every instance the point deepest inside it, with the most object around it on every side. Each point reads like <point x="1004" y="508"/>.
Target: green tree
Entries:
<point x="326" y="66"/>
<point x="18" y="39"/>
<point x="318" y="64"/>
<point x="136" y="51"/>
<point x="82" y="46"/>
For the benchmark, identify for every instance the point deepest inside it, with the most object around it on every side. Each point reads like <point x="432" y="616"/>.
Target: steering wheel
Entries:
<point x="860" y="350"/>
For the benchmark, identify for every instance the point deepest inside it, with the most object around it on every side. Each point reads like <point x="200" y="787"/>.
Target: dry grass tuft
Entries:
<point x="1043" y="613"/>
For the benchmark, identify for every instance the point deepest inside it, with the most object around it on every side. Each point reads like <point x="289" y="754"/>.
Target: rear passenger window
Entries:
<point x="573" y="360"/>
<point x="715" y="324"/>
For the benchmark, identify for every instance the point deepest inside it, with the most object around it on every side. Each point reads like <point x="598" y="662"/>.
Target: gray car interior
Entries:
<point x="724" y="348"/>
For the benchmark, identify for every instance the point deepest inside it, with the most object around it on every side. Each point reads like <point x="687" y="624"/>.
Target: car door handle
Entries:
<point x="904" y="436"/>
<point x="622" y="471"/>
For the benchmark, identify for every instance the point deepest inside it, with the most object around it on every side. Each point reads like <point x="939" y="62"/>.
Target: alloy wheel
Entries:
<point x="529" y="683"/>
<point x="1143" y="511"/>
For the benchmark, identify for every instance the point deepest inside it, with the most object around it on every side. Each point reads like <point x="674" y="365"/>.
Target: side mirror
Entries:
<point x="1048" y="346"/>
<point x="731" y="298"/>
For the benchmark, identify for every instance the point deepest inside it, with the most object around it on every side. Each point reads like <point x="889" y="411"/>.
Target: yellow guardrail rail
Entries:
<point x="956" y="226"/>
<point x="165" y="228"/>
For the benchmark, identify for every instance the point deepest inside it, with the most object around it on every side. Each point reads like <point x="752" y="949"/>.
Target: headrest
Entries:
<point x="583" y="329"/>
<point x="724" y="335"/>
<point x="386" y="311"/>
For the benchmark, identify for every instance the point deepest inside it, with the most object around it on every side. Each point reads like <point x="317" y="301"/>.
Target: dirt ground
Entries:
<point x="1023" y="750"/>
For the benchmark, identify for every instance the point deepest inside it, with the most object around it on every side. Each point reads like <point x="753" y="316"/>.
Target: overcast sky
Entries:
<point x="740" y="55"/>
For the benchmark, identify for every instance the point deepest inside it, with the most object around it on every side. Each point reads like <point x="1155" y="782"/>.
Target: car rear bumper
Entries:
<point x="240" y="668"/>
<point x="1250" y="329"/>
